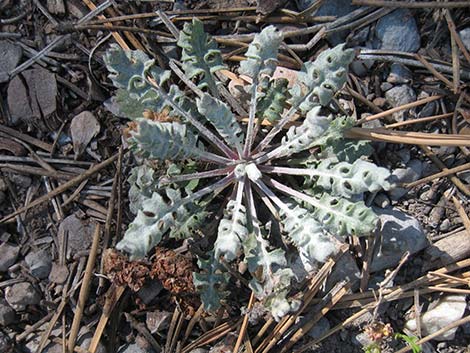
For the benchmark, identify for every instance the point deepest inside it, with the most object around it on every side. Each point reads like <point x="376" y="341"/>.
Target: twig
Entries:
<point x="83" y="296"/>
<point x="60" y="189"/>
<point x="397" y="109"/>
<point x="462" y="213"/>
<point x="244" y="326"/>
<point x="444" y="173"/>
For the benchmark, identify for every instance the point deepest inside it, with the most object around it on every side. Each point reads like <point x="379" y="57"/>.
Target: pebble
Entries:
<point x="7" y="314"/>
<point x="5" y="343"/>
<point x="385" y="86"/>
<point x="361" y="67"/>
<point x="382" y="200"/>
<point x="411" y="173"/>
<point x="398" y="31"/>
<point x="445" y="311"/>
<point x="320" y="328"/>
<point x="58" y="273"/>
<point x="445" y="225"/>
<point x="10" y="55"/>
<point x="85" y="340"/>
<point x="399" y="233"/>
<point x="39" y="263"/>
<point x="399" y="74"/>
<point x="465" y="36"/>
<point x="22" y="181"/>
<point x="131" y="348"/>
<point x="22" y="294"/>
<point x="149" y="291"/>
<point x="345" y="269"/>
<point x="362" y="340"/>
<point x="8" y="256"/>
<point x="157" y="321"/>
<point x="398" y="96"/>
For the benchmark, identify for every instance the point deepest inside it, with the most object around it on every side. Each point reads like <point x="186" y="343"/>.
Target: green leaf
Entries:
<point x="200" y="56"/>
<point x="323" y="77"/>
<point x="231" y="232"/>
<point x="142" y="185"/>
<point x="342" y="217"/>
<point x="164" y="140"/>
<point x="210" y="282"/>
<point x="220" y="116"/>
<point x="262" y="53"/>
<point x="153" y="220"/>
<point x="271" y="278"/>
<point x="308" y="235"/>
<point x="346" y="179"/>
<point x="273" y="103"/>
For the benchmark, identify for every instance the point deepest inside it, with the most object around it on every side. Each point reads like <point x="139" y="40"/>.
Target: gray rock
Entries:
<point x="131" y="348"/>
<point x="345" y="269"/>
<point x="320" y="328"/>
<point x="22" y="294"/>
<point x="39" y="263"/>
<point x="465" y="36"/>
<point x="362" y="339"/>
<point x="85" y="340"/>
<point x="10" y="55"/>
<point x="361" y="68"/>
<point x="399" y="74"/>
<point x="398" y="233"/>
<point x="76" y="233"/>
<point x="8" y="256"/>
<point x="199" y="350"/>
<point x="445" y="225"/>
<point x="58" y="273"/>
<point x="149" y="291"/>
<point x="5" y="342"/>
<point x="22" y="181"/>
<point x="53" y="348"/>
<point x="385" y="86"/>
<point x="398" y="31"/>
<point x="336" y="8"/>
<point x="381" y="200"/>
<point x="7" y="314"/>
<point x="411" y="173"/>
<point x="398" y="96"/>
<point x="445" y="311"/>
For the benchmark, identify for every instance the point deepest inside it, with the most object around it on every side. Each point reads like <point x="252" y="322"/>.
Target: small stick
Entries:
<point x="462" y="213"/>
<point x="244" y="325"/>
<point x="444" y="173"/>
<point x="83" y="296"/>
<point x="397" y="109"/>
<point x="60" y="189"/>
<point x="436" y="73"/>
<point x="419" y="120"/>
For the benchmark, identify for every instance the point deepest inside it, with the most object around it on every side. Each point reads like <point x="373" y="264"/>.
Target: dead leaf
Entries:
<point x="83" y="128"/>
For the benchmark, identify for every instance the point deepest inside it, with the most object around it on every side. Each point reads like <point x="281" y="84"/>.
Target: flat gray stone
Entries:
<point x="39" y="263"/>
<point x="445" y="311"/>
<point x="398" y="233"/>
<point x="22" y="294"/>
<point x="398" y="31"/>
<point x="10" y="56"/>
<point x="399" y="74"/>
<point x="465" y="36"/>
<point x="8" y="256"/>
<point x="411" y="173"/>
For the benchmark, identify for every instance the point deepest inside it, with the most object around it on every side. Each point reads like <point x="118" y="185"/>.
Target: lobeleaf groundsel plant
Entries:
<point x="308" y="177"/>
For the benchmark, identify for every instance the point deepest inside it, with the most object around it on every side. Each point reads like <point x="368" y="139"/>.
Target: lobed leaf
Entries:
<point x="142" y="185"/>
<point x="153" y="220"/>
<point x="232" y="231"/>
<point x="164" y="140"/>
<point x="262" y="53"/>
<point x="346" y="179"/>
<point x="273" y="103"/>
<point x="210" y="282"/>
<point x="321" y="79"/>
<point x="220" y="116"/>
<point x="308" y="235"/>
<point x="342" y="217"/>
<point x="200" y="55"/>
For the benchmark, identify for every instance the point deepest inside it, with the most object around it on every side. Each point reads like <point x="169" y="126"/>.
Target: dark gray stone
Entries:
<point x="8" y="256"/>
<point x="10" y="56"/>
<point x="7" y="314"/>
<point x="399" y="74"/>
<point x="39" y="263"/>
<point x="398" y="31"/>
<point x="411" y="173"/>
<point x="398" y="233"/>
<point x="320" y="328"/>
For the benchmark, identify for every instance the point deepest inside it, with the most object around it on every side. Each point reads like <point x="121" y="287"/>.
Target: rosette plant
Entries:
<point x="308" y="177"/>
